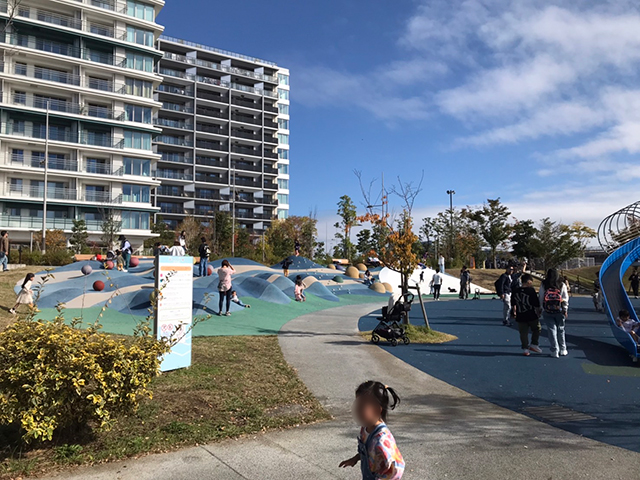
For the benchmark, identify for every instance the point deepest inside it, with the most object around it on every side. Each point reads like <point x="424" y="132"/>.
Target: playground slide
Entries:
<point x="614" y="294"/>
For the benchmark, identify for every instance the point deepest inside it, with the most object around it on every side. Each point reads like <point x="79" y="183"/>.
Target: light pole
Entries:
<point x="233" y="212"/>
<point x="451" y="193"/>
<point x="46" y="178"/>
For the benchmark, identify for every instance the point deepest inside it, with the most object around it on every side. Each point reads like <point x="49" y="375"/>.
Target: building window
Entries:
<point x="139" y="114"/>
<point x="283" y="169"/>
<point x="283" y="184"/>
<point x="283" y="94"/>
<point x="283" y="79"/>
<point x="140" y="10"/>
<point x="19" y="98"/>
<point x="283" y="198"/>
<point x="139" y="36"/>
<point x="135" y="220"/>
<point x="283" y="123"/>
<point x="96" y="83"/>
<point x="283" y="138"/>
<point x="139" y="62"/>
<point x="136" y="193"/>
<point x="283" y="109"/>
<point x="97" y="165"/>
<point x="21" y="68"/>
<point x="137" y="140"/>
<point x="283" y="214"/>
<point x="101" y="29"/>
<point x="137" y="166"/>
<point x="283" y="154"/>
<point x="139" y="88"/>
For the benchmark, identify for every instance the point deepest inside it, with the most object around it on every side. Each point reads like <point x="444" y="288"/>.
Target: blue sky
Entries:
<point x="536" y="102"/>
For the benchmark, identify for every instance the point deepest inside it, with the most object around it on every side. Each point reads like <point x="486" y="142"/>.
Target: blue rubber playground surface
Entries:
<point x="594" y="392"/>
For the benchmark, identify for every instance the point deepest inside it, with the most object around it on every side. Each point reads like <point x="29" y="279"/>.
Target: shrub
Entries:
<point x="55" y="378"/>
<point x="57" y="258"/>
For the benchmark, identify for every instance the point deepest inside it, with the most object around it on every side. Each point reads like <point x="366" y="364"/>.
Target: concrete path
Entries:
<point x="442" y="431"/>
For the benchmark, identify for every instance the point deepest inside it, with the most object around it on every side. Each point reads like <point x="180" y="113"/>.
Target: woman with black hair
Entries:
<point x="25" y="296"/>
<point x="554" y="299"/>
<point x="224" y="285"/>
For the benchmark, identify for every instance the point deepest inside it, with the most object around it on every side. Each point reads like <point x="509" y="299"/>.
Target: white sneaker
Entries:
<point x="12" y="311"/>
<point x="525" y="352"/>
<point x="535" y="349"/>
<point x="555" y="355"/>
<point x="564" y="352"/>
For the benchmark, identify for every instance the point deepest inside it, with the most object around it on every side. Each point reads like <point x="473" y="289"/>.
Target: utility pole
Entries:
<point x="46" y="178"/>
<point x="451" y="193"/>
<point x="233" y="212"/>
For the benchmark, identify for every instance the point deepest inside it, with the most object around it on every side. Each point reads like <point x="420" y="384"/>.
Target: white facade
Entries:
<point x="283" y="143"/>
<point x="91" y="65"/>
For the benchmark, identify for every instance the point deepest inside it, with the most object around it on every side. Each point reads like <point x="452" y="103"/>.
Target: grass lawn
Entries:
<point x="420" y="334"/>
<point x="236" y="386"/>
<point x="8" y="280"/>
<point x="487" y="277"/>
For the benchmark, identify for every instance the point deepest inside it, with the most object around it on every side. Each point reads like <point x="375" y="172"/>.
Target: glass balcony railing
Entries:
<point x="34" y="223"/>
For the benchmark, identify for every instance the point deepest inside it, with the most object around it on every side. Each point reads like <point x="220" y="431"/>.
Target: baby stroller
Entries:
<point x="389" y="327"/>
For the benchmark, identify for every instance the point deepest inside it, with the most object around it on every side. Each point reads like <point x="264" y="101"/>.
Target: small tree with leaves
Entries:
<point x="492" y="223"/>
<point x="79" y="236"/>
<point x="111" y="228"/>
<point x="349" y="219"/>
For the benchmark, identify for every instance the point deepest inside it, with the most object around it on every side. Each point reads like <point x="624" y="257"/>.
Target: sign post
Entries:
<point x="174" y="308"/>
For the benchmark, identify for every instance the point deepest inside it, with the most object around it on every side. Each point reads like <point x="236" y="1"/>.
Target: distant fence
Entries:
<point x="578" y="263"/>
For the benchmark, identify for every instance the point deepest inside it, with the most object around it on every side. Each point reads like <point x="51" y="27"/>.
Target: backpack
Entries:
<point x="552" y="301"/>
<point x="498" y="285"/>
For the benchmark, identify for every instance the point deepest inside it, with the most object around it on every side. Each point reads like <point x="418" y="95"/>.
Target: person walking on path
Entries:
<point x="503" y="289"/>
<point x="204" y="251"/>
<point x="125" y="248"/>
<point x="224" y="285"/>
<point x="25" y="296"/>
<point x="436" y="284"/>
<point x="634" y="279"/>
<point x="4" y="250"/>
<point x="441" y="263"/>
<point x="554" y="299"/>
<point x="465" y="280"/>
<point x="378" y="453"/>
<point x="525" y="307"/>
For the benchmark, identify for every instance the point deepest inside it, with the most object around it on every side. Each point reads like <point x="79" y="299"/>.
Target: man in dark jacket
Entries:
<point x="4" y="250"/>
<point x="503" y="289"/>
<point x="204" y="252"/>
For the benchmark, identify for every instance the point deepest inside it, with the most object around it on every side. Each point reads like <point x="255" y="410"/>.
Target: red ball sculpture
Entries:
<point x="99" y="257"/>
<point x="210" y="269"/>
<point x="108" y="265"/>
<point x="134" y="262"/>
<point x="98" y="285"/>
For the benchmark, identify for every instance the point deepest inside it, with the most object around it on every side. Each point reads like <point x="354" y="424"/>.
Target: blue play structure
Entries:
<point x="619" y="235"/>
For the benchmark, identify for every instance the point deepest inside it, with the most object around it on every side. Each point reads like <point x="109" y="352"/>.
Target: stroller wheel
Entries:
<point x="375" y="338"/>
<point x="394" y="342"/>
<point x="406" y="340"/>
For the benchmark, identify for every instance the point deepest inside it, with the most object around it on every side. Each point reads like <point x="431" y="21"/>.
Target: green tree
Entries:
<point x="492" y="224"/>
<point x="349" y="219"/>
<point x="281" y="236"/>
<point x="111" y="228"/>
<point x="220" y="232"/>
<point x="365" y="242"/>
<point x="79" y="236"/>
<point x="556" y="243"/>
<point x="523" y="239"/>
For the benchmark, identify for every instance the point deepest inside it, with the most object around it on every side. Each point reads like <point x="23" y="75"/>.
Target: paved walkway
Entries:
<point x="442" y="431"/>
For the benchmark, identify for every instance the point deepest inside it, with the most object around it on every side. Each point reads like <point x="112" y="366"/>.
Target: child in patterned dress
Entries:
<point x="378" y="453"/>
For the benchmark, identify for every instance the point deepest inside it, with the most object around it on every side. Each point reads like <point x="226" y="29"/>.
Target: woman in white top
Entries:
<point x="224" y="285"/>
<point x="554" y="299"/>
<point x="177" y="250"/>
<point x="25" y="296"/>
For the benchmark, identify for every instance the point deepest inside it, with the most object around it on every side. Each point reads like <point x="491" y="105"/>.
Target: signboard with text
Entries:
<point x="174" y="309"/>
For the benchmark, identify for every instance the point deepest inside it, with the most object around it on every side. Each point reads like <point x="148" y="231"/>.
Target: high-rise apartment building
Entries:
<point x="225" y="139"/>
<point x="87" y="68"/>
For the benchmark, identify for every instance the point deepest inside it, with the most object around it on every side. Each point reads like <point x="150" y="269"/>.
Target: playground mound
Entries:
<point x="299" y="263"/>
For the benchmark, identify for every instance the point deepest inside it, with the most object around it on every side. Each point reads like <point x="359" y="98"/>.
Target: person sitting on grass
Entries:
<point x="525" y="308"/>
<point x="629" y="325"/>
<point x="25" y="296"/>
<point x="237" y="301"/>
<point x="298" y="290"/>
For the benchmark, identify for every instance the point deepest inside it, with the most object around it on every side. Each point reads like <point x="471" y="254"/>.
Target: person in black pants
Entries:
<point x="634" y="278"/>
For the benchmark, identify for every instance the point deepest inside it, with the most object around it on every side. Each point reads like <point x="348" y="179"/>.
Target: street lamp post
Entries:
<point x="233" y="212"/>
<point x="451" y="193"/>
<point x="46" y="178"/>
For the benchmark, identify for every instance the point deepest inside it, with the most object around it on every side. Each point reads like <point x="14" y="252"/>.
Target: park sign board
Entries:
<point x="174" y="308"/>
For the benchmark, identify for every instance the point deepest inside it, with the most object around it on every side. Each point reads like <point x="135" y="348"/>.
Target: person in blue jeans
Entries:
<point x="554" y="299"/>
<point x="4" y="250"/>
<point x="204" y="251"/>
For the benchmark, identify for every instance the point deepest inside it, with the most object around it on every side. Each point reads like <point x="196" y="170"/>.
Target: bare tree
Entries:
<point x="408" y="192"/>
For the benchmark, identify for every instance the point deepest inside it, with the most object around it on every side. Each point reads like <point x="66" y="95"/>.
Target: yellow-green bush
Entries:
<point x="55" y="378"/>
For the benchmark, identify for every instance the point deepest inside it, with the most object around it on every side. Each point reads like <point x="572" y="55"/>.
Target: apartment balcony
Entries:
<point x="100" y="197"/>
<point x="177" y="141"/>
<point x="268" y="154"/>
<point x="173" y="210"/>
<point x="59" y="164"/>
<point x="221" y="68"/>
<point x="209" y="162"/>
<point x="219" y="180"/>
<point x="249" y="167"/>
<point x="61" y="106"/>
<point x="216" y="130"/>
<point x="176" y="107"/>
<point x="32" y="223"/>
<point x="171" y="175"/>
<point x="208" y="112"/>
<point x="178" y="124"/>
<point x="255" y="136"/>
<point x="163" y="88"/>
<point x="271" y="170"/>
<point x="270" y="186"/>
<point x="269" y="108"/>
<point x="243" y="102"/>
<point x="246" y="119"/>
<point x="212" y="196"/>
<point x="270" y="124"/>
<point x="270" y="139"/>
<point x="37" y="192"/>
<point x="171" y="192"/>
<point x="212" y="97"/>
<point x="55" y="135"/>
<point x="175" y="158"/>
<point x="211" y="146"/>
<point x="246" y="151"/>
<point x="246" y="182"/>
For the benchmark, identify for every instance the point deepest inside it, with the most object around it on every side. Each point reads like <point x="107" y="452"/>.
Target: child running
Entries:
<point x="378" y="453"/>
<point x="629" y="325"/>
<point x="25" y="296"/>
